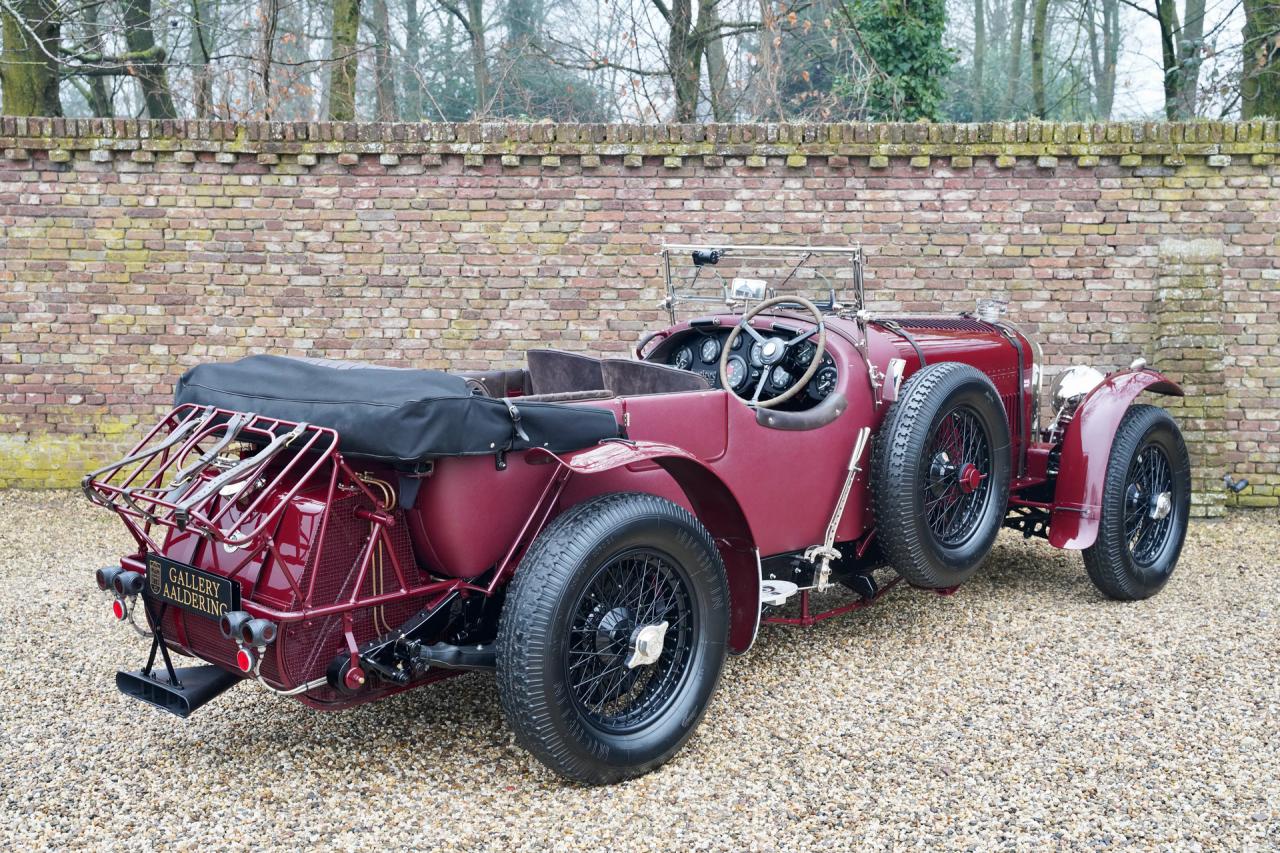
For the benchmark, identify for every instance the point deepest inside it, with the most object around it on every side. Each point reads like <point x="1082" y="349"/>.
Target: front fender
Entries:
<point x="713" y="503"/>
<point x="1082" y="469"/>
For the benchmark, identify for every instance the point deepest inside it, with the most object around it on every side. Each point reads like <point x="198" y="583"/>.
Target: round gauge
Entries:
<point x="737" y="342"/>
<point x="823" y="383"/>
<point x="757" y="353"/>
<point x="737" y="372"/>
<point x="780" y="378"/>
<point x="803" y="354"/>
<point x="710" y="349"/>
<point x="683" y="359"/>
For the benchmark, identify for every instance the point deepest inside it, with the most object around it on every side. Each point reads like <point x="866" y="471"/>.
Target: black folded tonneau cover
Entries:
<point x="393" y="415"/>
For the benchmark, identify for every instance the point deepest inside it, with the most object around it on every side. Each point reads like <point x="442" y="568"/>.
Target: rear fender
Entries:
<point x="715" y="506"/>
<point x="1077" y="499"/>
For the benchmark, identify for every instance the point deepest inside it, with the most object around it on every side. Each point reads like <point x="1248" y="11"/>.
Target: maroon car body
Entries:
<point x="358" y="594"/>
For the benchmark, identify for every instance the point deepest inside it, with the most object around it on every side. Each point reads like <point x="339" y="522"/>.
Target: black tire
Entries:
<point x="1135" y="552"/>
<point x="933" y="523"/>
<point x="569" y="606"/>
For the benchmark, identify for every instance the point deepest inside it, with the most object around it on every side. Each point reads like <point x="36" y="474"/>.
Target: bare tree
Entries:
<point x="1038" y="26"/>
<point x="384" y="77"/>
<point x="28" y="63"/>
<point x="148" y="58"/>
<point x="345" y="60"/>
<point x="1104" y="48"/>
<point x="1260" y="83"/>
<point x="1014" y="70"/>
<point x="470" y="14"/>
<point x="979" y="58"/>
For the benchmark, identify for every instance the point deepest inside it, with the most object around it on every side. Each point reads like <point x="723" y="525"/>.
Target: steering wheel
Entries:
<point x="774" y="350"/>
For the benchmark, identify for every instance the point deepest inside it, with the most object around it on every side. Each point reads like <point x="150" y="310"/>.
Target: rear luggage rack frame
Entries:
<point x="143" y="499"/>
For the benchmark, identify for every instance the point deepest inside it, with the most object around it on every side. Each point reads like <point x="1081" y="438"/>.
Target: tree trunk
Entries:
<point x="1105" y="91"/>
<point x="1038" y="24"/>
<point x="148" y="66"/>
<point x="385" y="82"/>
<point x="979" y="58"/>
<point x="345" y="60"/>
<point x="717" y="68"/>
<point x="1167" y="16"/>
<point x="266" y="51"/>
<point x="479" y="54"/>
<point x="1190" y="48"/>
<point x="28" y="75"/>
<point x="412" y="56"/>
<point x="765" y="85"/>
<point x="202" y="83"/>
<point x="684" y="60"/>
<point x="99" y="94"/>
<point x="1015" y="57"/>
<point x="1260" y="80"/>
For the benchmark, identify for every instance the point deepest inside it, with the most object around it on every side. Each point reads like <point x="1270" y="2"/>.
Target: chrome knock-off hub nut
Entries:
<point x="646" y="645"/>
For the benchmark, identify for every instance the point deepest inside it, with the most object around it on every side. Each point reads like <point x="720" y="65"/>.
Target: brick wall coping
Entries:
<point x="19" y="136"/>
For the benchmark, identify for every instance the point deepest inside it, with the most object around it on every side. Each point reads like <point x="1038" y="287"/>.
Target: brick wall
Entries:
<point x="131" y="250"/>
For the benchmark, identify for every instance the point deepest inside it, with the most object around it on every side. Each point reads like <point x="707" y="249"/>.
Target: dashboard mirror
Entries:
<point x="749" y="289"/>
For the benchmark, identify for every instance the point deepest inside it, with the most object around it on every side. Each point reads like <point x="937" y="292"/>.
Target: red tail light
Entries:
<point x="119" y="610"/>
<point x="245" y="661"/>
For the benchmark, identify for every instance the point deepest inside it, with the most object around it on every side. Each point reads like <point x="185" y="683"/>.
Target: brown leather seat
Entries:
<point x="628" y="378"/>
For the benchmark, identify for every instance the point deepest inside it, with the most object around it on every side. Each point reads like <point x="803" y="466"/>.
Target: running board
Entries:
<point x="195" y="686"/>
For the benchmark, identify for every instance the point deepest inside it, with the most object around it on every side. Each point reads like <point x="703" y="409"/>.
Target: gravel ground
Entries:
<point x="1023" y="712"/>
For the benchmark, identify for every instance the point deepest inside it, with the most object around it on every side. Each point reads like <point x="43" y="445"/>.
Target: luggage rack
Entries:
<point x="159" y="483"/>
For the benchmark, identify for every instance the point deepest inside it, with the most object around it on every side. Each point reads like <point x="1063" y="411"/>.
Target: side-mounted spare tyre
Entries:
<point x="612" y="637"/>
<point x="940" y="473"/>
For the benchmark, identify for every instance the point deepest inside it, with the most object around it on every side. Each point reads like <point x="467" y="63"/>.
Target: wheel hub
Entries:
<point x="1161" y="505"/>
<point x="646" y="644"/>
<point x="613" y="629"/>
<point x="941" y="467"/>
<point x="970" y="478"/>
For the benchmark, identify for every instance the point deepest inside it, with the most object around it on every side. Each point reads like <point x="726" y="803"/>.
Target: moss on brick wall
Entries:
<point x="130" y="250"/>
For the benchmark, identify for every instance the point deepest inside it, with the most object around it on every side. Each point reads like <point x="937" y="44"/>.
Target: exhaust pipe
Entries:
<point x="128" y="583"/>
<point x="106" y="577"/>
<point x="257" y="632"/>
<point x="230" y="624"/>
<point x="195" y="686"/>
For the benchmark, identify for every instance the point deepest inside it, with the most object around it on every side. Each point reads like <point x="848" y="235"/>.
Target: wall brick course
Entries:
<point x="131" y="250"/>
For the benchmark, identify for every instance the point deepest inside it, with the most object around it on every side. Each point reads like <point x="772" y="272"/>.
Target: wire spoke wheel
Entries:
<point x="612" y="637"/>
<point x="638" y="588"/>
<point x="956" y="463"/>
<point x="1148" y="490"/>
<point x="1146" y="501"/>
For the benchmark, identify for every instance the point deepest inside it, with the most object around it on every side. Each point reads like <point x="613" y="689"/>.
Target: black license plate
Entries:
<point x="192" y="589"/>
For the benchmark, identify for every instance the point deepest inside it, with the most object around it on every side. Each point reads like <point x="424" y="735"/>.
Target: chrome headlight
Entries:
<point x="1072" y="384"/>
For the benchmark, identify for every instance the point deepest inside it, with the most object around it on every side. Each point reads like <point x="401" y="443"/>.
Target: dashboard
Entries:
<point x="698" y="350"/>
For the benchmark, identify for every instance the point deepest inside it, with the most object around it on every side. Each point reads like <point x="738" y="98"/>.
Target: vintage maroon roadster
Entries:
<point x="601" y="532"/>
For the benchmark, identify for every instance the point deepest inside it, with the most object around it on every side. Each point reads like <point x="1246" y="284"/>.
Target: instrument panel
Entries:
<point x="698" y="351"/>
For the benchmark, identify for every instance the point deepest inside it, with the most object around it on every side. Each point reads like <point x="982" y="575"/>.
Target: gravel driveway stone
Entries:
<point x="1024" y="712"/>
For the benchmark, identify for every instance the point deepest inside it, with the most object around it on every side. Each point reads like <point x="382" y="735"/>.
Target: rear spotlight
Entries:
<point x="119" y="610"/>
<point x="257" y="632"/>
<point x="106" y="577"/>
<point x="128" y="583"/>
<point x="230" y="623"/>
<point x="245" y="661"/>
